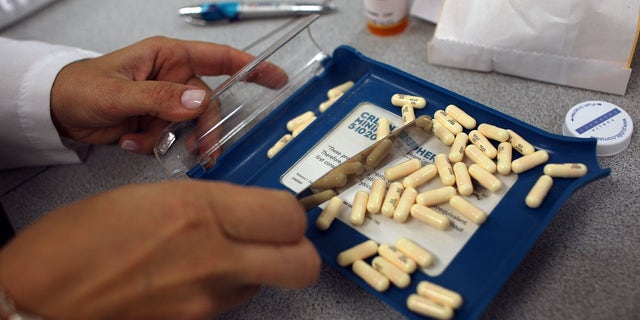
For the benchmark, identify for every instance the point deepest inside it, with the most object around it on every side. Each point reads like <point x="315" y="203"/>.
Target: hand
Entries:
<point x="173" y="250"/>
<point x="131" y="94"/>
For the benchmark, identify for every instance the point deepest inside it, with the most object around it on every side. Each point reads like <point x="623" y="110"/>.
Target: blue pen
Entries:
<point x="232" y="11"/>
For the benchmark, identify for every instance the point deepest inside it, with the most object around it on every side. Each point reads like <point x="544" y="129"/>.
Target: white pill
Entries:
<point x="401" y="100"/>
<point x="302" y="126"/>
<point x="358" y="252"/>
<point x="443" y="134"/>
<point x="299" y="120"/>
<point x="420" y="176"/>
<point x="505" y="153"/>
<point x="397" y="258"/>
<point x="398" y="277"/>
<point x="391" y="199"/>
<point x="468" y="210"/>
<point x="485" y="178"/>
<point x="428" y="308"/>
<point x="462" y="117"/>
<point x="402" y="169"/>
<point x="328" y="103"/>
<point x="539" y="191"/>
<point x="565" y="170"/>
<point x="329" y="213"/>
<point x="520" y="144"/>
<point x="282" y="142"/>
<point x="480" y="141"/>
<point x="439" y="294"/>
<point x="478" y="157"/>
<point x="412" y="250"/>
<point x="339" y="89"/>
<point x="447" y="121"/>
<point x="529" y="161"/>
<point x="376" y="195"/>
<point x="430" y="217"/>
<point x="493" y="132"/>
<point x="372" y="277"/>
<point x="408" y="114"/>
<point x="382" y="129"/>
<point x="456" y="154"/>
<point x="359" y="208"/>
<point x="463" y="179"/>
<point x="436" y="196"/>
<point x="407" y="199"/>
<point x="445" y="170"/>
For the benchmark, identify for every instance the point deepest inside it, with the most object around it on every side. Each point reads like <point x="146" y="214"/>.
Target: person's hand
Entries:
<point x="173" y="250"/>
<point x="131" y="94"/>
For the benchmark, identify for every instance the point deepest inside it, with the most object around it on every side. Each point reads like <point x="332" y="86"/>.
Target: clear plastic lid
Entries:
<point x="241" y="101"/>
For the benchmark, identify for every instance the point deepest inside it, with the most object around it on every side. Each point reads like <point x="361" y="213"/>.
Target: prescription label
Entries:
<point x="355" y="133"/>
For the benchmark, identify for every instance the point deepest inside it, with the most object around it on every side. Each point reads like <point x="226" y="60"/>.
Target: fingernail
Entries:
<point x="192" y="99"/>
<point x="129" y="145"/>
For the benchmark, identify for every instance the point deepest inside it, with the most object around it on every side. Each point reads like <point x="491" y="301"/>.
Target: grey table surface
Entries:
<point x="585" y="265"/>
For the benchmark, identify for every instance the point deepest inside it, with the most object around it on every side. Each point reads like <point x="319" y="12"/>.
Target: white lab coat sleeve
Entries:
<point x="27" y="72"/>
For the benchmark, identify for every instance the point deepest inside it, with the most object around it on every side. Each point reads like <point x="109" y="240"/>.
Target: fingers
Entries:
<point x="257" y="214"/>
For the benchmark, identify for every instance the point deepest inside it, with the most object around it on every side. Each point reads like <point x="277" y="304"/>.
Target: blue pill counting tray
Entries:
<point x="231" y="141"/>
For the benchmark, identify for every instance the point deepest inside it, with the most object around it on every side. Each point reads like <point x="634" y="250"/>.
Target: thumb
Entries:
<point x="166" y="100"/>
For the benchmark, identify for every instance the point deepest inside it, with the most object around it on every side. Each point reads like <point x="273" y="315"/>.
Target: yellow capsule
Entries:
<point x="279" y="145"/>
<point x="391" y="199"/>
<point x="376" y="195"/>
<point x="493" y="132"/>
<point x="425" y="123"/>
<point x="398" y="277"/>
<point x="420" y="176"/>
<point x="485" y="178"/>
<point x="443" y="134"/>
<point x="439" y="294"/>
<point x="436" y="196"/>
<point x="462" y="117"/>
<point x="483" y="143"/>
<point x="299" y="120"/>
<point x="412" y="250"/>
<point x="463" y="179"/>
<point x="359" y="208"/>
<point x="402" y="169"/>
<point x="565" y="170"/>
<point x="358" y="252"/>
<point x="328" y="103"/>
<point x="478" y="157"/>
<point x="520" y="144"/>
<point x="397" y="258"/>
<point x="330" y="212"/>
<point x="303" y="126"/>
<point x="383" y="129"/>
<point x="408" y="114"/>
<point x="529" y="161"/>
<point x="539" y="191"/>
<point x="448" y="122"/>
<point x="445" y="170"/>
<point x="330" y="180"/>
<point x="505" y="153"/>
<point x="316" y="199"/>
<point x="468" y="210"/>
<point x="372" y="277"/>
<point x="430" y="217"/>
<point x="403" y="208"/>
<point x="379" y="152"/>
<point x="339" y="89"/>
<point x="350" y="167"/>
<point x="401" y="100"/>
<point x="428" y="308"/>
<point x="456" y="154"/>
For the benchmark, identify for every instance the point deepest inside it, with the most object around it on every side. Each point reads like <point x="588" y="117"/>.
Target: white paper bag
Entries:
<point x="581" y="43"/>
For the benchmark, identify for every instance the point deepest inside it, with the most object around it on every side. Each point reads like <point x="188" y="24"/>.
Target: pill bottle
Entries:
<point x="386" y="17"/>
